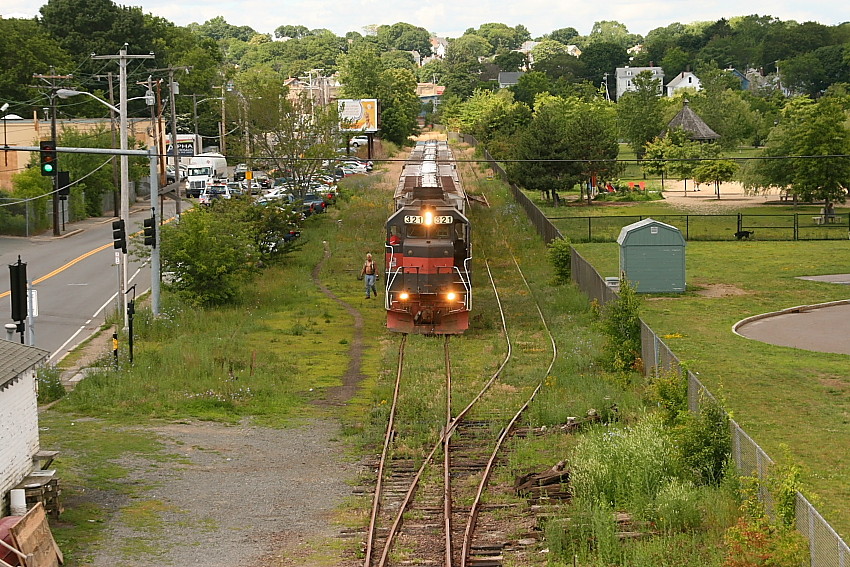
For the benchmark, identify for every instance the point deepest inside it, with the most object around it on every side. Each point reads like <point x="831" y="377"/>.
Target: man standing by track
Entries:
<point x="370" y="275"/>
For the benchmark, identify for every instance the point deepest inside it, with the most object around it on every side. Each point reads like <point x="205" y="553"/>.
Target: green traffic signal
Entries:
<point x="48" y="157"/>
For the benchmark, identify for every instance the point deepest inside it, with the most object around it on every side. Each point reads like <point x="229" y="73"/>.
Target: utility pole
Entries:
<point x="122" y="58"/>
<point x="116" y="177"/>
<point x="222" y="128"/>
<point x="51" y="81"/>
<point x="174" y="89"/>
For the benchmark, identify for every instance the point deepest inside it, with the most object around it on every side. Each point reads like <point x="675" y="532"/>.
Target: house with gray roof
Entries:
<point x="509" y="79"/>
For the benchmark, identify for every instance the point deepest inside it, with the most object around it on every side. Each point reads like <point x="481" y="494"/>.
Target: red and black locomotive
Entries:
<point x="428" y="250"/>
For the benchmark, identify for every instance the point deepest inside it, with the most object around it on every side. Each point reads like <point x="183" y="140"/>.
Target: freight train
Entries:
<point x="429" y="247"/>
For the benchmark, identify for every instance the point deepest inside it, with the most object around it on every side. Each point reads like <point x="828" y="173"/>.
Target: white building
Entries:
<point x="18" y="412"/>
<point x="684" y="80"/>
<point x="626" y="76"/>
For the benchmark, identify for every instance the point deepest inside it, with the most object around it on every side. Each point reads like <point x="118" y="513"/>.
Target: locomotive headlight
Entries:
<point x="451" y="296"/>
<point x="404" y="296"/>
<point x="429" y="218"/>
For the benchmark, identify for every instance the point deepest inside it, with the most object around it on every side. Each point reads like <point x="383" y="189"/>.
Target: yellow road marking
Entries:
<point x="65" y="267"/>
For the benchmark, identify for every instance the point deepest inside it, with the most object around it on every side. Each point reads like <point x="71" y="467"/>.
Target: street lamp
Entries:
<point x="195" y="103"/>
<point x="121" y="109"/>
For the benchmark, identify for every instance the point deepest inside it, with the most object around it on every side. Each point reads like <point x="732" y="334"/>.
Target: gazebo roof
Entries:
<point x="688" y="121"/>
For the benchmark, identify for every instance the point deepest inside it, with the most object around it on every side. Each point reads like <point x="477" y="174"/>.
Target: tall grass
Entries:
<point x="623" y="466"/>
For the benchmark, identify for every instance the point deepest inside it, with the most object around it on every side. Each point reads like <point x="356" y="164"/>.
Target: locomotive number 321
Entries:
<point x="419" y="219"/>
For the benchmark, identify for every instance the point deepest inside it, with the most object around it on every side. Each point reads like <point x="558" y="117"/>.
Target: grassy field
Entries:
<point x="781" y="396"/>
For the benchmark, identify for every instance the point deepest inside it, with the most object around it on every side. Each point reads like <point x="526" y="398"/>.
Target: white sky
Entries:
<point x="451" y="18"/>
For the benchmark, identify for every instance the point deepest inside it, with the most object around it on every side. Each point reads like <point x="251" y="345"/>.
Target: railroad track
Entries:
<point x="431" y="513"/>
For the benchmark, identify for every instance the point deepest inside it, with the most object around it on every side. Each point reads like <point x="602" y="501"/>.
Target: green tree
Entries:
<point x="565" y="66"/>
<point x="217" y="28"/>
<point x="639" y="112"/>
<point x="547" y="49"/>
<point x="292" y="32"/>
<point x="83" y="27"/>
<point x="210" y="253"/>
<point x="94" y="171"/>
<point x="432" y="71"/>
<point x="568" y="141"/>
<point x="406" y="37"/>
<point x="360" y="70"/>
<point x="501" y="37"/>
<point x="675" y="61"/>
<point x="811" y="130"/>
<point x="30" y="184"/>
<point x="538" y="151"/>
<point x="674" y="154"/>
<point x="715" y="171"/>
<point x="395" y="59"/>
<point x="621" y="327"/>
<point x="530" y="85"/>
<point x="24" y="47"/>
<point x="602" y="57"/>
<point x="563" y="35"/>
<point x="462" y="67"/>
<point x="721" y="105"/>
<point x="813" y="72"/>
<point x="488" y="115"/>
<point x="511" y="61"/>
<point x="611" y="31"/>
<point x="291" y="132"/>
<point x="399" y="105"/>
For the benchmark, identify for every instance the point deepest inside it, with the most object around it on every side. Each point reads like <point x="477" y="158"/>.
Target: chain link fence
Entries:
<point x="826" y="548"/>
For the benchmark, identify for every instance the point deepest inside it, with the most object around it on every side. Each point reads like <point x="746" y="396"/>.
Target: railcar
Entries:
<point x="429" y="247"/>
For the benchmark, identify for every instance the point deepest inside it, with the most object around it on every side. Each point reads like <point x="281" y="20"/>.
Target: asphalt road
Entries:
<point x="75" y="276"/>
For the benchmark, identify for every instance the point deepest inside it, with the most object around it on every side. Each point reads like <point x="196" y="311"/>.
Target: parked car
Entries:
<point x="316" y="202"/>
<point x="214" y="192"/>
<point x="239" y="171"/>
<point x="169" y="173"/>
<point x="358" y="141"/>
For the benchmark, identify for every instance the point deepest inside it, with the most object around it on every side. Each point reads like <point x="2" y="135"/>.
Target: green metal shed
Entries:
<point x="652" y="256"/>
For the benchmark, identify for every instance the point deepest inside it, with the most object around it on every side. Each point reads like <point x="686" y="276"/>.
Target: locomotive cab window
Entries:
<point x="417" y="231"/>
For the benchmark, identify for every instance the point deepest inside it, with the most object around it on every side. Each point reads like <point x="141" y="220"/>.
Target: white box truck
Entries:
<point x="203" y="170"/>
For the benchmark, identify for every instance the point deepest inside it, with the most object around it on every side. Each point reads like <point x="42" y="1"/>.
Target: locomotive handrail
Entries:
<point x="467" y="286"/>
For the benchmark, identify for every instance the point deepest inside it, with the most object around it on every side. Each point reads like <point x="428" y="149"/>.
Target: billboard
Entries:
<point x="186" y="145"/>
<point x="358" y="115"/>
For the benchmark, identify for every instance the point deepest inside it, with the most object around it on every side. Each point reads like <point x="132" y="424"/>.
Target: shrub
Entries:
<point x="50" y="386"/>
<point x="560" y="255"/>
<point x="621" y="327"/>
<point x="677" y="507"/>
<point x="784" y="483"/>
<point x="754" y="541"/>
<point x="668" y="389"/>
<point x="705" y="443"/>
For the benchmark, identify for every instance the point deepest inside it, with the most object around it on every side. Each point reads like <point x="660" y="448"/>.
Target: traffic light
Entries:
<point x="64" y="184"/>
<point x="18" y="274"/>
<point x="150" y="232"/>
<point x="119" y="236"/>
<point x="48" y="157"/>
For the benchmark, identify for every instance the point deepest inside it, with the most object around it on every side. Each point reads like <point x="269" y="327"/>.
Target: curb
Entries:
<point x="797" y="309"/>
